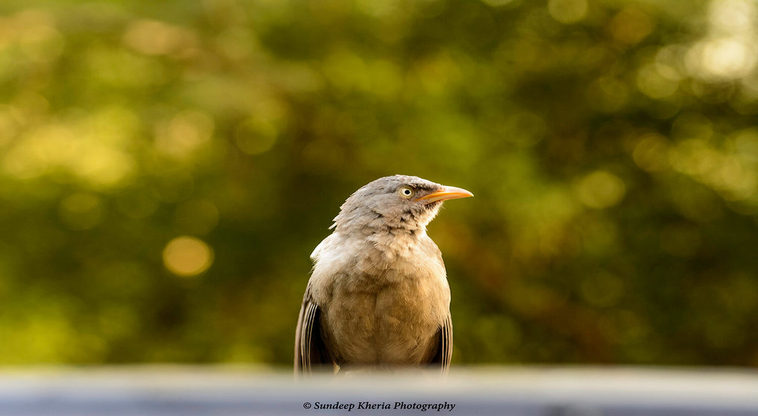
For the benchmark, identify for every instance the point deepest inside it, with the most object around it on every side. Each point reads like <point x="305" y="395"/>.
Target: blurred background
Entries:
<point x="167" y="167"/>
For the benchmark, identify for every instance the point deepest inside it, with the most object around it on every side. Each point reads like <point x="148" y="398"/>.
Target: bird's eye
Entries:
<point x="406" y="192"/>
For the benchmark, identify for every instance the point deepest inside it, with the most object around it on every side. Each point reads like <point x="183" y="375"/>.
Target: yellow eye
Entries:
<point x="406" y="192"/>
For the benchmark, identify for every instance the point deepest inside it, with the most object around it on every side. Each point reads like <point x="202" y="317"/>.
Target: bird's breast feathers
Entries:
<point x="391" y="304"/>
<point x="375" y="262"/>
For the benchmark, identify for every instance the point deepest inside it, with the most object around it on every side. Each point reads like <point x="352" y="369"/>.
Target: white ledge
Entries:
<point x="532" y="391"/>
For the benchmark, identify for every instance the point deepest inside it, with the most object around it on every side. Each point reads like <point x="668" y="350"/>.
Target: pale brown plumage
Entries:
<point x="378" y="296"/>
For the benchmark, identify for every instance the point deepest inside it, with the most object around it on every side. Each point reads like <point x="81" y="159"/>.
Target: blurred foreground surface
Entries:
<point x="576" y="391"/>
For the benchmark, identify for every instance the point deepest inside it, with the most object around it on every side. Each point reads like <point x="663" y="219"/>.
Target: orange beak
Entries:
<point x="449" y="192"/>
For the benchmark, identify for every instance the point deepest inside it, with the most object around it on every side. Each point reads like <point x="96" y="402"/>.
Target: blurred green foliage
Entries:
<point x="167" y="167"/>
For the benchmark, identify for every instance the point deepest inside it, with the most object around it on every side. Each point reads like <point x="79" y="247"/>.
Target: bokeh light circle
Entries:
<point x="187" y="256"/>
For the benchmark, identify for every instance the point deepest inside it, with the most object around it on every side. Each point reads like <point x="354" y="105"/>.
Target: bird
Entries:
<point x="378" y="296"/>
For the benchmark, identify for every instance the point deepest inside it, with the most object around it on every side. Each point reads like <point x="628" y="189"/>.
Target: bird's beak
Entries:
<point x="448" y="192"/>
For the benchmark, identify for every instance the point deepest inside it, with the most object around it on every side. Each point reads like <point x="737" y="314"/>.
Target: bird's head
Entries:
<point x="397" y="202"/>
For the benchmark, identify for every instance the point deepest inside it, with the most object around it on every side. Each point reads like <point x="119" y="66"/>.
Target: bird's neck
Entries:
<point x="392" y="243"/>
<point x="377" y="223"/>
<point x="385" y="228"/>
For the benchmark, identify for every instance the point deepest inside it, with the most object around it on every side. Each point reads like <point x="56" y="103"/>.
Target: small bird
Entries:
<point x="378" y="296"/>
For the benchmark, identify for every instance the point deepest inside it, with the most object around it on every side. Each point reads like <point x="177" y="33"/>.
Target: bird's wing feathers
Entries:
<point x="310" y="350"/>
<point x="445" y="346"/>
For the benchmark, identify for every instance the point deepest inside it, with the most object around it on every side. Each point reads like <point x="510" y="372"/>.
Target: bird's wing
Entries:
<point x="445" y="350"/>
<point x="310" y="350"/>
